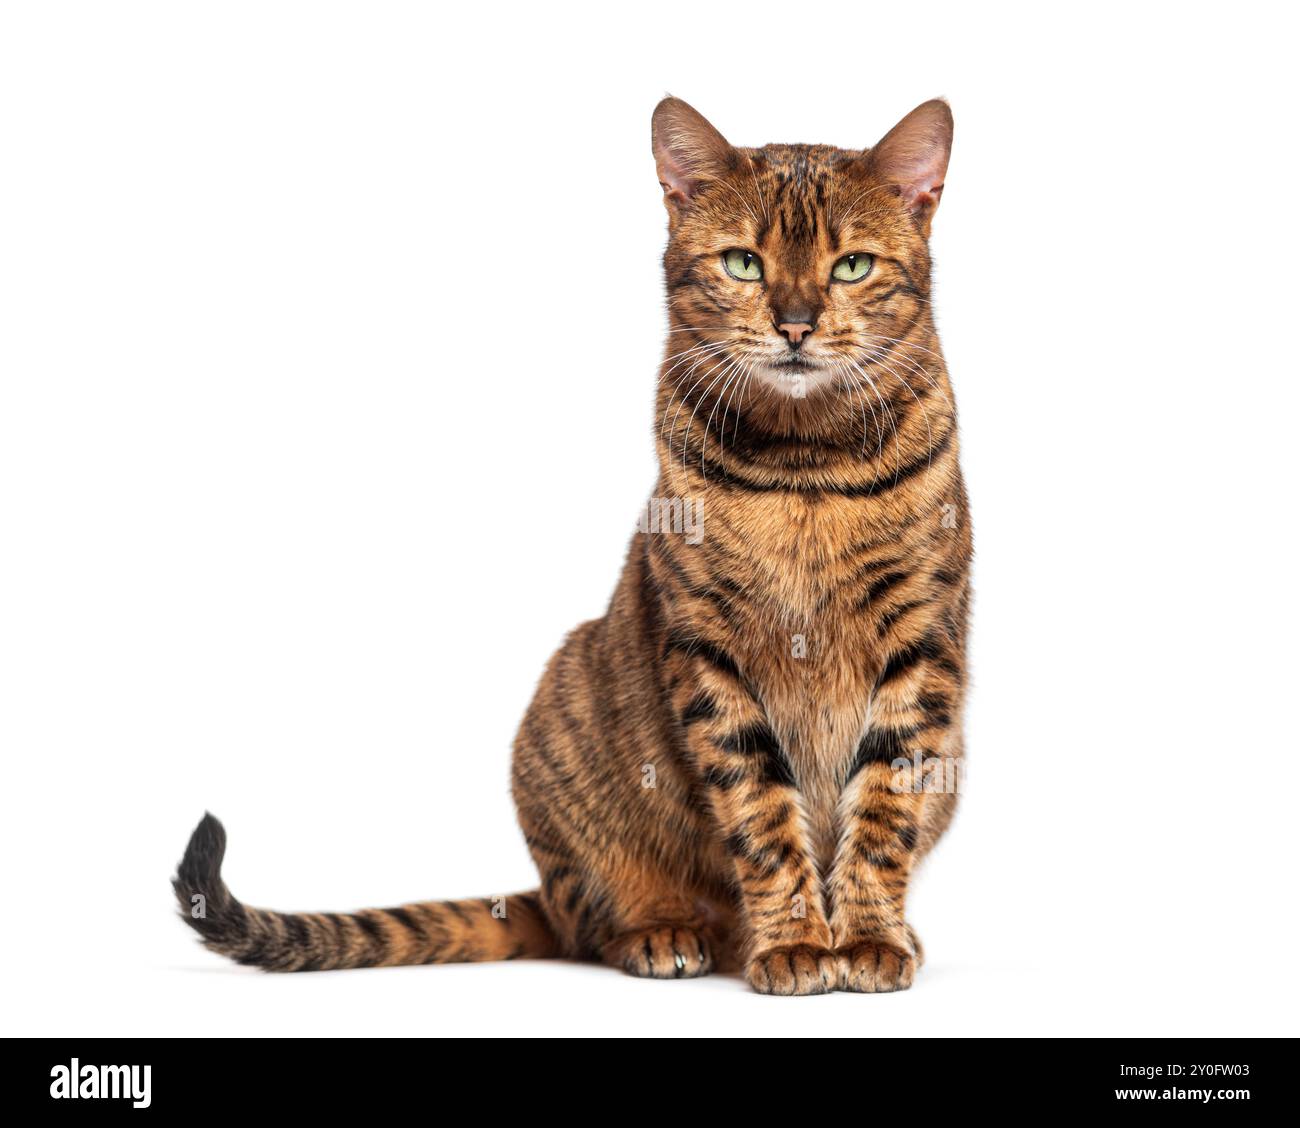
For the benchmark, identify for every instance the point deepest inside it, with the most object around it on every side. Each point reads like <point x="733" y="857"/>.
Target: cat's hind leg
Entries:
<point x="651" y="926"/>
<point x="634" y="916"/>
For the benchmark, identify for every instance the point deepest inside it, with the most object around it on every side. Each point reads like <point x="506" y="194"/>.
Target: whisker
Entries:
<point x="889" y="415"/>
<point x="686" y="433"/>
<point x="925" y="414"/>
<point x="746" y="367"/>
<point x="682" y="400"/>
<point x="676" y="396"/>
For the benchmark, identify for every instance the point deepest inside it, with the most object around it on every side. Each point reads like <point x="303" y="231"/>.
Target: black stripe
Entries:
<point x="701" y="708"/>
<point x="874" y="858"/>
<point x="724" y="779"/>
<point x="302" y="943"/>
<point x="913" y="654"/>
<point x="702" y="648"/>
<point x="551" y="876"/>
<point x="882" y="585"/>
<point x="937" y="709"/>
<point x="889" y="618"/>
<point x="758" y="742"/>
<point x="375" y="934"/>
<point x="716" y="473"/>
<point x="740" y="846"/>
<point x="866" y="568"/>
<point x="407" y="921"/>
<point x="776" y="820"/>
<point x="880" y="746"/>
<point x="299" y="933"/>
<point x="661" y="551"/>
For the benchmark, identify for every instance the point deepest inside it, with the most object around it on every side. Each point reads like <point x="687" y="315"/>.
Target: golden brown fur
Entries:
<point x="715" y="773"/>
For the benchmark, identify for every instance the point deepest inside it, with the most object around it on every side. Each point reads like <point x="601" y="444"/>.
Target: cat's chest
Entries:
<point x="806" y="648"/>
<point x="786" y="552"/>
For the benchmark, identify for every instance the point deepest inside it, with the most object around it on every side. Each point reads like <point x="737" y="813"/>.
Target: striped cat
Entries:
<point x="736" y="766"/>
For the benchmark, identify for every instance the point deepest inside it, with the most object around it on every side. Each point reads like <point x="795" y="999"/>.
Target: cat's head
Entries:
<point x="795" y="262"/>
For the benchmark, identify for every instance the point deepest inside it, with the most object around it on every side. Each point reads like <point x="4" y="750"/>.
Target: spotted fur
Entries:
<point x="720" y="772"/>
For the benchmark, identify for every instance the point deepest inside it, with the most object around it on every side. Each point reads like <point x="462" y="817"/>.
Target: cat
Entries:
<point x="732" y="768"/>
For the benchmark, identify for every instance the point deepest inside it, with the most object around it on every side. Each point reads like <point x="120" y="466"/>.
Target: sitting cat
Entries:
<point x="731" y="768"/>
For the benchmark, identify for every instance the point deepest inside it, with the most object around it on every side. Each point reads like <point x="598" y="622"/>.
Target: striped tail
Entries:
<point x="475" y="930"/>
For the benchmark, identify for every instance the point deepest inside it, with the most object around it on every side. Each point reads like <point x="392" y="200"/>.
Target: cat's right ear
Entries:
<point x="689" y="153"/>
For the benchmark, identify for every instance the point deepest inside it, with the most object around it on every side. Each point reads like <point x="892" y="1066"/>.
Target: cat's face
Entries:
<point x="795" y="263"/>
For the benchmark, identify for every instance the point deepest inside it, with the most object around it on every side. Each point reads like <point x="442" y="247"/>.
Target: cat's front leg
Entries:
<point x="757" y="805"/>
<point x="899" y="789"/>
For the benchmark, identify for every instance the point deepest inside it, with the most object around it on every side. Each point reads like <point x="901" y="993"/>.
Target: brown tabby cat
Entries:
<point x="733" y="766"/>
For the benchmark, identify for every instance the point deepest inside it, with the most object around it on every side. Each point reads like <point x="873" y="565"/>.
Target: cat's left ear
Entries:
<point x="914" y="156"/>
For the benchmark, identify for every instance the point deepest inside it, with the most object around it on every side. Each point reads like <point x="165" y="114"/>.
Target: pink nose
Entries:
<point x="795" y="331"/>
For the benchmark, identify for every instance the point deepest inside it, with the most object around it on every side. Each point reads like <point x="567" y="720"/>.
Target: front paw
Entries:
<point x="800" y="969"/>
<point x="877" y="965"/>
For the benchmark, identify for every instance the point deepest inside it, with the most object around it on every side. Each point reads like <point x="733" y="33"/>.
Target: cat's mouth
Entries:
<point x="796" y="374"/>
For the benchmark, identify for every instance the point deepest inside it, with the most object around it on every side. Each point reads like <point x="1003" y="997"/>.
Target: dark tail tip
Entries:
<point x="202" y="862"/>
<point x="205" y="902"/>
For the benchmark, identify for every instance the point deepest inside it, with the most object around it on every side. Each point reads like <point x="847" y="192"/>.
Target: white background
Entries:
<point x="329" y="342"/>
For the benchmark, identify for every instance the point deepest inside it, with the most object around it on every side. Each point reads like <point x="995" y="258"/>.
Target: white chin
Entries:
<point x="795" y="382"/>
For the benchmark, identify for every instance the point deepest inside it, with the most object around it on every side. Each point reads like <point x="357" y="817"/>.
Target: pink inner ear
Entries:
<point x="673" y="177"/>
<point x="917" y="169"/>
<point x="921" y="191"/>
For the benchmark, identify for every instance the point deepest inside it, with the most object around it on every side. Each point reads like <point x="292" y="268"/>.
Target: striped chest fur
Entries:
<point x="812" y="591"/>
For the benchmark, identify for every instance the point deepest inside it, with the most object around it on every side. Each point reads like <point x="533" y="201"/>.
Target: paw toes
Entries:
<point x="877" y="967"/>
<point x="798" y="970"/>
<point x="664" y="953"/>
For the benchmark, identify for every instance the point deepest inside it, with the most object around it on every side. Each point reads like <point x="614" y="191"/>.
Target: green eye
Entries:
<point x="744" y="266"/>
<point x="852" y="268"/>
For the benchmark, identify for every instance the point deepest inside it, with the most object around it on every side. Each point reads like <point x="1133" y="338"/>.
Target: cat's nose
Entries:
<point x="794" y="332"/>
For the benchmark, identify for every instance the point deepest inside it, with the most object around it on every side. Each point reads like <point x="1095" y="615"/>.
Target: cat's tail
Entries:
<point x="501" y="928"/>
